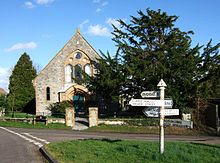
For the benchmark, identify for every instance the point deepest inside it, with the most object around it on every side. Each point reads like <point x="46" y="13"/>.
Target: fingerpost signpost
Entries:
<point x="161" y="103"/>
<point x="162" y="86"/>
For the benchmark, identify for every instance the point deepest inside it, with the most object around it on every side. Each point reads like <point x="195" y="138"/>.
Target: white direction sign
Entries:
<point x="170" y="112"/>
<point x="150" y="94"/>
<point x="154" y="112"/>
<point x="147" y="102"/>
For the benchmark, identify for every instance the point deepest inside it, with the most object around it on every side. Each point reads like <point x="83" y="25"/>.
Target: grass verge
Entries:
<point x="36" y="126"/>
<point x="124" y="151"/>
<point x="145" y="130"/>
<point x="18" y="115"/>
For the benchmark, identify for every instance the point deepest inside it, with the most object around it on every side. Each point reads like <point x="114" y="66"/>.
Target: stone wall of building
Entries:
<point x="53" y="75"/>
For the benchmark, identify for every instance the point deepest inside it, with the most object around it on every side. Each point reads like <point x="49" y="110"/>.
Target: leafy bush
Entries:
<point x="58" y="109"/>
<point x="3" y="102"/>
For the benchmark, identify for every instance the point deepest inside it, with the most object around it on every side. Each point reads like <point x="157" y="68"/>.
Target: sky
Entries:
<point x="42" y="27"/>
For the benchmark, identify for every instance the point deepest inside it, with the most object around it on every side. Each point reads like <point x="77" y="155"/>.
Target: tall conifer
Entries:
<point x="152" y="47"/>
<point x="21" y="90"/>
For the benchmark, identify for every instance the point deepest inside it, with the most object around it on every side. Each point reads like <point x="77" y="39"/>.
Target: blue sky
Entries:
<point x="42" y="27"/>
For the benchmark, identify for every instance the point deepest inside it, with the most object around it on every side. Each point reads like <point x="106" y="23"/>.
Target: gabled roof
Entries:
<point x="76" y="36"/>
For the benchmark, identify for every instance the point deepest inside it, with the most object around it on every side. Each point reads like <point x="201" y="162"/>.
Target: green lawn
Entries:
<point x="37" y="126"/>
<point x="145" y="130"/>
<point x="18" y="115"/>
<point x="125" y="151"/>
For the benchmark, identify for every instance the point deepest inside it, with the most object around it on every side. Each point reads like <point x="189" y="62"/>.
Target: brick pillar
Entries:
<point x="69" y="118"/>
<point x="93" y="116"/>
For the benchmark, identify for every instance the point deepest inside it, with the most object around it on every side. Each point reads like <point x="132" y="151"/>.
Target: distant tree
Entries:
<point x="21" y="90"/>
<point x="153" y="48"/>
<point x="3" y="102"/>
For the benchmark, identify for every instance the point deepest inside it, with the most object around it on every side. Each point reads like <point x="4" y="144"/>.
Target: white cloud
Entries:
<point x="104" y="3"/>
<point x="22" y="46"/>
<point x="4" y="78"/>
<point x="100" y="4"/>
<point x="29" y="5"/>
<point x="44" y="2"/>
<point x="98" y="10"/>
<point x="96" y="1"/>
<point x="34" y="3"/>
<point x="98" y="30"/>
<point x="112" y="21"/>
<point x="83" y="23"/>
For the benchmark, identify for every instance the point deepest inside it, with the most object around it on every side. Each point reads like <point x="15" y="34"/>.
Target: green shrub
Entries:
<point x="3" y="102"/>
<point x="58" y="109"/>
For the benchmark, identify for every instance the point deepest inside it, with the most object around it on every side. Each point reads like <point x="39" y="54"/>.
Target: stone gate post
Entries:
<point x="69" y="117"/>
<point x="93" y="116"/>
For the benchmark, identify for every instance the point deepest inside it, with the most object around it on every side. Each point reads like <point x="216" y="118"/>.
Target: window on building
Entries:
<point x="78" y="72"/>
<point x="68" y="74"/>
<point x="48" y="93"/>
<point x="78" y="55"/>
<point x="59" y="96"/>
<point x="87" y="69"/>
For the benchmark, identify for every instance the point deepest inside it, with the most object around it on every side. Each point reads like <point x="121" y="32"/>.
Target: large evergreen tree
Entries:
<point x="108" y="79"/>
<point x="21" y="90"/>
<point x="153" y="48"/>
<point x="208" y="70"/>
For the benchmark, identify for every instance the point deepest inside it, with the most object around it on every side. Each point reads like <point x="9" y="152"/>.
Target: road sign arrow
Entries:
<point x="155" y="112"/>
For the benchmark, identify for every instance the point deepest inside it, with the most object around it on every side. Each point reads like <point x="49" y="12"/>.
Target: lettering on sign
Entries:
<point x="147" y="102"/>
<point x="150" y="94"/>
<point x="169" y="112"/>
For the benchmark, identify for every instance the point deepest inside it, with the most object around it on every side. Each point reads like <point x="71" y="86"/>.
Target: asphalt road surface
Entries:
<point x="22" y="145"/>
<point x="48" y="136"/>
<point x="15" y="149"/>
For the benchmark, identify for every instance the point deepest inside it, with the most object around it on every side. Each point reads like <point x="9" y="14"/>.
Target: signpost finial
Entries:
<point x="161" y="83"/>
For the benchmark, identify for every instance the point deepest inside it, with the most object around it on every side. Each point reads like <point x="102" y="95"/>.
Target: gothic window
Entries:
<point x="87" y="69"/>
<point x="48" y="93"/>
<point x="78" y="55"/>
<point x="78" y="72"/>
<point x="68" y="74"/>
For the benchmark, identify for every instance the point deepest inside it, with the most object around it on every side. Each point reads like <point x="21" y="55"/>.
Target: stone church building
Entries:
<point x="55" y="83"/>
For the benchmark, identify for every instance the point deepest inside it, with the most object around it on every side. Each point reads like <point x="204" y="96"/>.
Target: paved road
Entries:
<point x="62" y="135"/>
<point x="15" y="149"/>
<point x="22" y="145"/>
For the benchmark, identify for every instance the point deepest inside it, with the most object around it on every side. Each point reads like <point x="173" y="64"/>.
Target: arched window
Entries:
<point x="87" y="69"/>
<point x="78" y="72"/>
<point x="48" y="93"/>
<point x="68" y="74"/>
